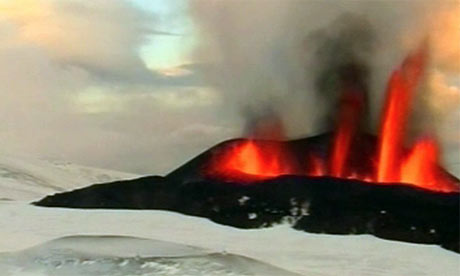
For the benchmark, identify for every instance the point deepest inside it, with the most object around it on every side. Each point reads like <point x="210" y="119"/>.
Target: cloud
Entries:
<point x="100" y="35"/>
<point x="263" y="51"/>
<point x="75" y="87"/>
<point x="103" y="37"/>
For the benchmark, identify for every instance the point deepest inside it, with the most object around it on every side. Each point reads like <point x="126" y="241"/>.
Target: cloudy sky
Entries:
<point x="144" y="85"/>
<point x="103" y="83"/>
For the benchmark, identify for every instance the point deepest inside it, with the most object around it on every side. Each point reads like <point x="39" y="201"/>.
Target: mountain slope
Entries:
<point x="23" y="226"/>
<point x="28" y="179"/>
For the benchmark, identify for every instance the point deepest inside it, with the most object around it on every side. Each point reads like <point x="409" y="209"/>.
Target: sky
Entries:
<point x="103" y="83"/>
<point x="144" y="85"/>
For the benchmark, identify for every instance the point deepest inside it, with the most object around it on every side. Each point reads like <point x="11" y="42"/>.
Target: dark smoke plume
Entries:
<point x="284" y="50"/>
<point x="342" y="52"/>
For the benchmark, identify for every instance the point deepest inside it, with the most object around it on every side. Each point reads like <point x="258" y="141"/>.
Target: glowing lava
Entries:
<point x="420" y="167"/>
<point x="350" y="111"/>
<point x="416" y="164"/>
<point x="316" y="166"/>
<point x="250" y="159"/>
<point x="400" y="92"/>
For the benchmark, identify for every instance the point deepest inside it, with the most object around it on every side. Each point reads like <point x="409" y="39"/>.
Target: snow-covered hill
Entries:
<point x="36" y="241"/>
<point x="120" y="256"/>
<point x="30" y="179"/>
<point x="23" y="226"/>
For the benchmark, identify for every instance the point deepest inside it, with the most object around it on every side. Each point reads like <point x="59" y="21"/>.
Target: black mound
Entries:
<point x="318" y="205"/>
<point x="313" y="204"/>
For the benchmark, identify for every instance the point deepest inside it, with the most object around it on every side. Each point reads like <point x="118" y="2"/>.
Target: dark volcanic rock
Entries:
<point x="312" y="204"/>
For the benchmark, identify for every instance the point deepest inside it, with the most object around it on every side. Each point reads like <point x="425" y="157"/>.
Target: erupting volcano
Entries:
<point x="342" y="182"/>
<point x="358" y="177"/>
<point x="390" y="160"/>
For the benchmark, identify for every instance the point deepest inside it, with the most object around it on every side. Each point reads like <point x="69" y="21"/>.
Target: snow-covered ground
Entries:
<point x="27" y="178"/>
<point x="61" y="242"/>
<point x="120" y="256"/>
<point x="23" y="226"/>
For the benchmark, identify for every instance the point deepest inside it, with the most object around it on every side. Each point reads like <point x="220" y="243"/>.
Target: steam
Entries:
<point x="263" y="123"/>
<point x="287" y="57"/>
<point x="280" y="54"/>
<point x="341" y="54"/>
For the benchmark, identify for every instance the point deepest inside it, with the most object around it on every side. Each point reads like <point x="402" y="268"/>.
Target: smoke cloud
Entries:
<point x="75" y="87"/>
<point x="285" y="56"/>
<point x="341" y="54"/>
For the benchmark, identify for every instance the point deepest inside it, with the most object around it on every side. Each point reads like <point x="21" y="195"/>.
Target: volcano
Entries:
<point x="342" y="182"/>
<point x="348" y="152"/>
<point x="318" y="204"/>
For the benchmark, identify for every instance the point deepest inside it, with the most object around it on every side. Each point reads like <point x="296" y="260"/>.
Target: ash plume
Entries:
<point x="342" y="52"/>
<point x="262" y="51"/>
<point x="287" y="56"/>
<point x="263" y="123"/>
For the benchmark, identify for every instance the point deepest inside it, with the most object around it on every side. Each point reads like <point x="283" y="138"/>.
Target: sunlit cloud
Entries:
<point x="95" y="34"/>
<point x="174" y="71"/>
<point x="187" y="97"/>
<point x="82" y="80"/>
<point x="95" y="100"/>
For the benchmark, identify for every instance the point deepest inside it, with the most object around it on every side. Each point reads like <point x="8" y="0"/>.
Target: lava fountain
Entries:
<point x="392" y="161"/>
<point x="401" y="88"/>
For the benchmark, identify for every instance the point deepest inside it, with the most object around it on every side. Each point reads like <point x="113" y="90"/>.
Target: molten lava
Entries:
<point x="316" y="166"/>
<point x="395" y="162"/>
<point x="351" y="108"/>
<point x="350" y="111"/>
<point x="420" y="167"/>
<point x="420" y="164"/>
<point x="249" y="159"/>
<point x="400" y="92"/>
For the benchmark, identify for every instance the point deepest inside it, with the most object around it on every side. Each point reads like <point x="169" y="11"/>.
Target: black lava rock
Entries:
<point x="312" y="204"/>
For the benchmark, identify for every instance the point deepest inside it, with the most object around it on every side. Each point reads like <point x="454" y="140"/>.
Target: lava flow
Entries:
<point x="252" y="160"/>
<point x="392" y="161"/>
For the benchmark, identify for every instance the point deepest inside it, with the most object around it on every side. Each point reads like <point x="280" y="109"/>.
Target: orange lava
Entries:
<point x="350" y="109"/>
<point x="420" y="167"/>
<point x="255" y="161"/>
<point x="316" y="166"/>
<point x="396" y="162"/>
<point x="400" y="92"/>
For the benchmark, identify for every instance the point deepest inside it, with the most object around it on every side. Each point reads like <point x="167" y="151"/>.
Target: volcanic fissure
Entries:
<point x="392" y="161"/>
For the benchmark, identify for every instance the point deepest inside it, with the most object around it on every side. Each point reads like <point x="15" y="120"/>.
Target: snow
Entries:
<point x="23" y="226"/>
<point x="243" y="200"/>
<point x="27" y="178"/>
<point x="136" y="242"/>
<point x="117" y="255"/>
<point x="252" y="215"/>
